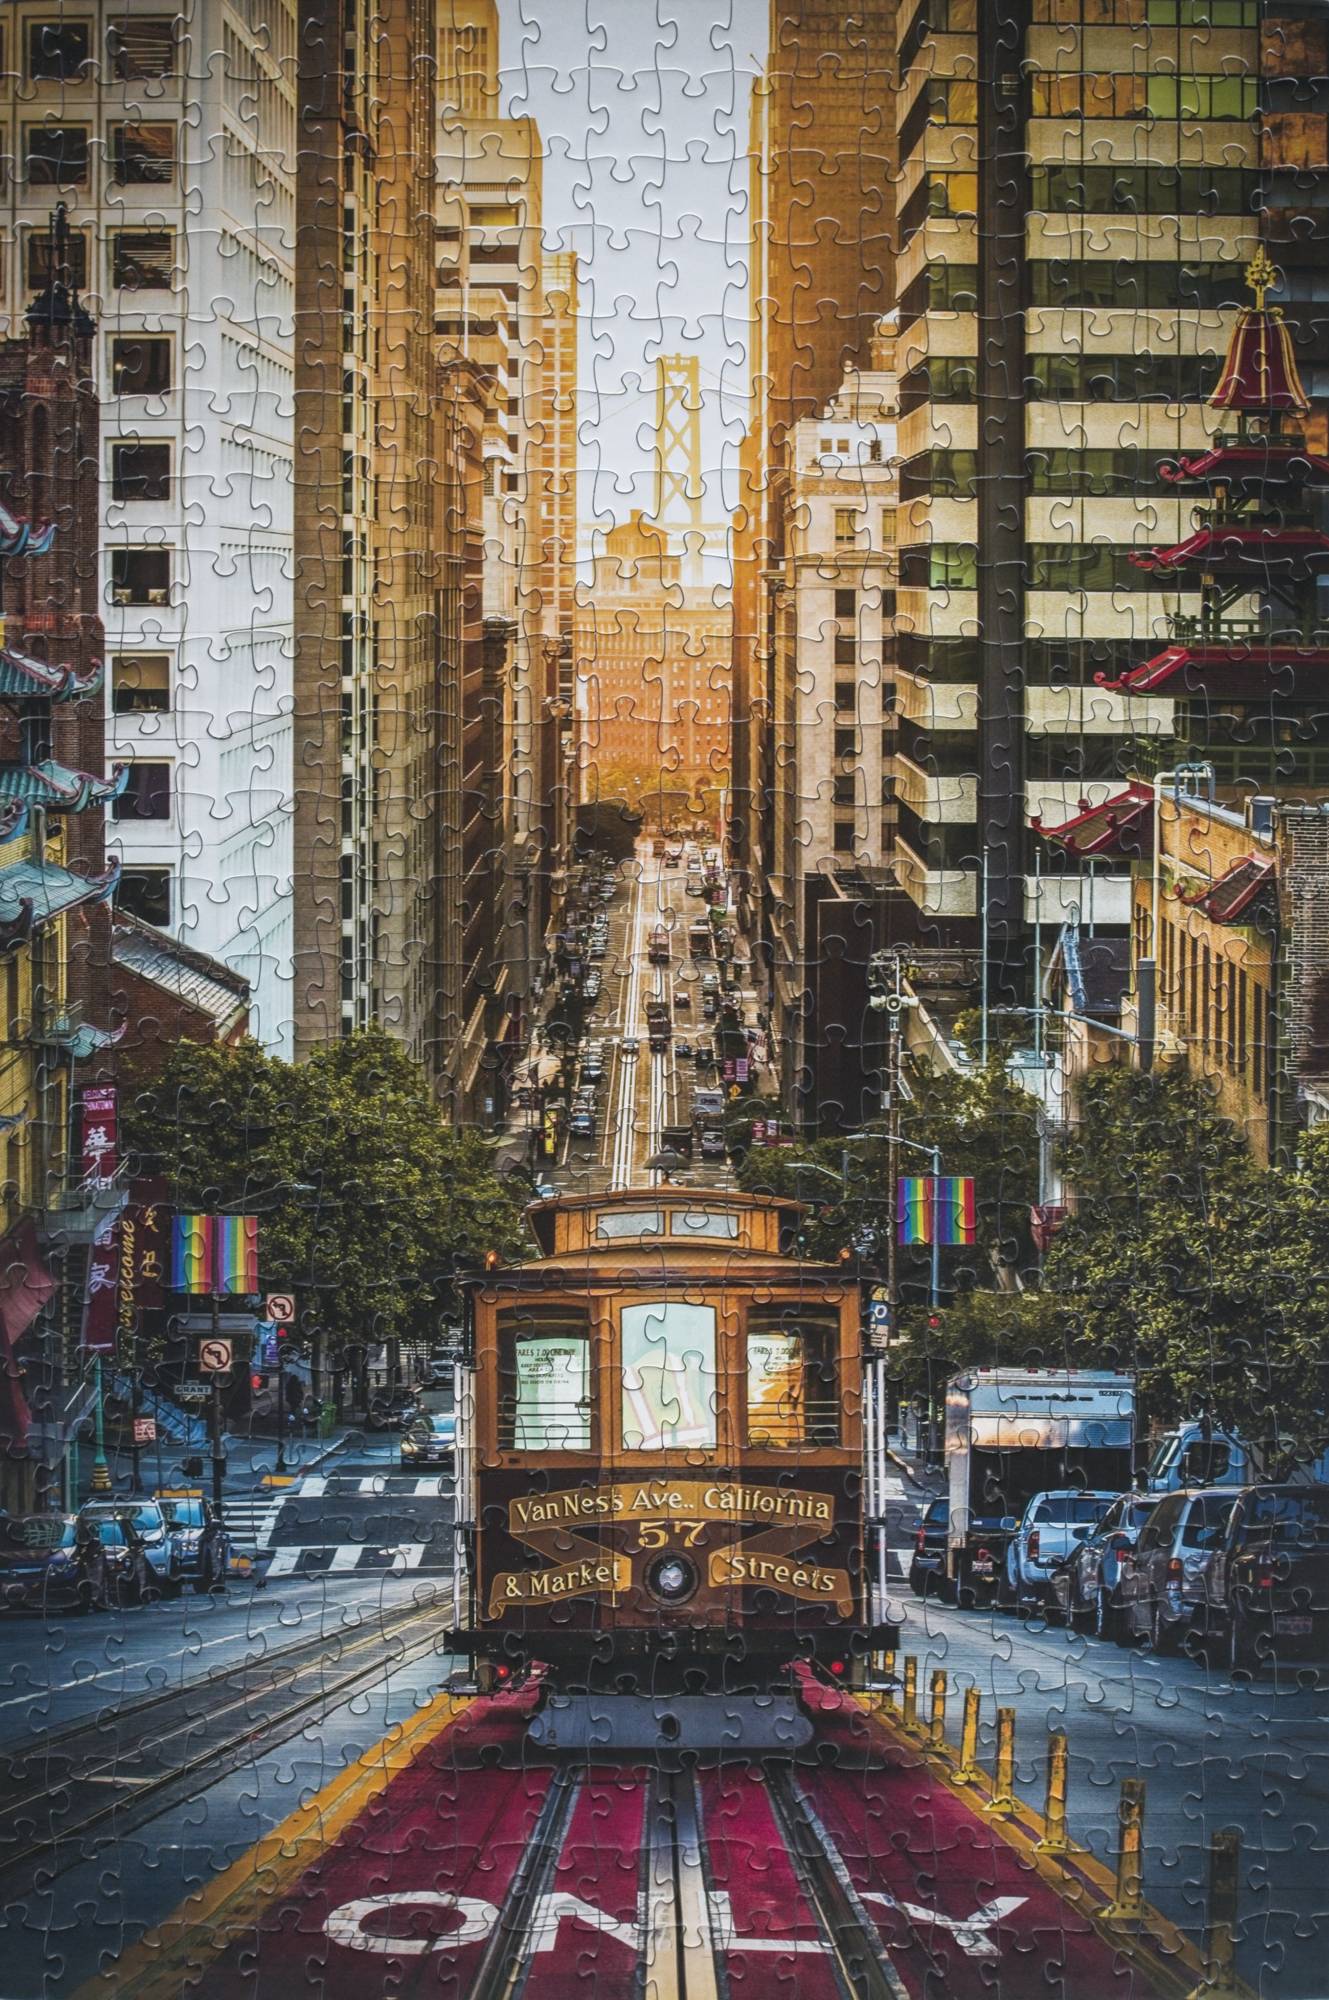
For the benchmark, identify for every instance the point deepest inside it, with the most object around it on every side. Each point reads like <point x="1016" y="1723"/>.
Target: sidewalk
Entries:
<point x="248" y="1462"/>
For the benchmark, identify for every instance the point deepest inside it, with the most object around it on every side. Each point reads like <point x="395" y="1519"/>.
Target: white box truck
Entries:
<point x="1015" y="1432"/>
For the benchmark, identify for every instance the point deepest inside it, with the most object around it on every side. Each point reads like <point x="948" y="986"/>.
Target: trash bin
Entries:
<point x="327" y="1419"/>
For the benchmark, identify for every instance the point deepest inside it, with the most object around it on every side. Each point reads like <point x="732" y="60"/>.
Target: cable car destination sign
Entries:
<point x="678" y="1513"/>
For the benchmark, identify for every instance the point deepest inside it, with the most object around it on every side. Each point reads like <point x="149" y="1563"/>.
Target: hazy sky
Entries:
<point x="643" y="110"/>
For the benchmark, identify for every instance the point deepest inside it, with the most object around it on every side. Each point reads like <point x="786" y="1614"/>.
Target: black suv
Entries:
<point x="1271" y="1586"/>
<point x="927" y="1569"/>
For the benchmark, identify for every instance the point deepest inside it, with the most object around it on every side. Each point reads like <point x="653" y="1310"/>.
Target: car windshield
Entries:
<point x="937" y="1513"/>
<point x="1070" y="1509"/>
<point x="443" y="1426"/>
<point x="110" y="1534"/>
<point x="1291" y="1517"/>
<point x="38" y="1532"/>
<point x="184" y="1513"/>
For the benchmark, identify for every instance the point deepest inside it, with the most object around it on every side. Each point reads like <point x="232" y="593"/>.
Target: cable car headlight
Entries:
<point x="672" y="1579"/>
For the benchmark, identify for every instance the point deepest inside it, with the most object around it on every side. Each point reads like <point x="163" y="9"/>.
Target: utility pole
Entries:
<point x="218" y="1456"/>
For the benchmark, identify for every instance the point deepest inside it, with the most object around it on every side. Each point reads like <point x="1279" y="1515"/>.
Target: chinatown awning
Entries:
<point x="1230" y="899"/>
<point x="13" y="820"/>
<point x="1297" y="550"/>
<point x="1260" y="368"/>
<point x="33" y="893"/>
<point x="1237" y="673"/>
<point x="1122" y="825"/>
<point x="19" y="537"/>
<point x="1264" y="464"/>
<point x="24" y="679"/>
<point x="25" y="1286"/>
<point x="58" y="789"/>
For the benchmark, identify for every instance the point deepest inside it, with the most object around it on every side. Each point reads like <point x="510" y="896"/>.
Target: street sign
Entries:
<point x="279" y="1307"/>
<point x="145" y="1430"/>
<point x="191" y="1392"/>
<point x="214" y="1356"/>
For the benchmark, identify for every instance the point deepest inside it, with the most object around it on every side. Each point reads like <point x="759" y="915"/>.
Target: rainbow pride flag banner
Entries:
<point x="215" y="1253"/>
<point x="936" y="1209"/>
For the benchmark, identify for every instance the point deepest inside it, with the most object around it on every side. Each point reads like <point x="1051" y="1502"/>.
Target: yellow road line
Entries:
<point x="168" y="1959"/>
<point x="1081" y="1880"/>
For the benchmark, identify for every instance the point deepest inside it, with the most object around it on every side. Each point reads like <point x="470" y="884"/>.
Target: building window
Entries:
<point x="846" y="530"/>
<point x="57" y="155"/>
<point x="142" y="153"/>
<point x="148" y="793"/>
<point x="141" y="576"/>
<point x="844" y="836"/>
<point x="846" y="743"/>
<point x="41" y="260"/>
<point x="1235" y="97"/>
<point x="846" y="604"/>
<point x="58" y="51"/>
<point x="141" y="683"/>
<point x="844" y="789"/>
<point x="874" y="452"/>
<point x="140" y="470"/>
<point x="846" y="696"/>
<point x="846" y="649"/>
<point x="141" y="365"/>
<point x="889" y="531"/>
<point x="143" y="260"/>
<point x="145" y="893"/>
<point x="142" y="46"/>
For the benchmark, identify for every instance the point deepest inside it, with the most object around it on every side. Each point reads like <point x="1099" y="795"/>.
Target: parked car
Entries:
<point x="1166" y="1587"/>
<point x="432" y="1441"/>
<point x="1270" y="1583"/>
<point x="629" y="1045"/>
<point x="712" y="1144"/>
<point x="582" y="1125"/>
<point x="1086" y="1590"/>
<point x="151" y="1567"/>
<point x="927" y="1566"/>
<point x="682" y="1048"/>
<point x="439" y="1367"/>
<point x="392" y="1409"/>
<point x="1051" y="1525"/>
<point x="682" y="1002"/>
<point x="51" y="1560"/>
<point x="201" y="1545"/>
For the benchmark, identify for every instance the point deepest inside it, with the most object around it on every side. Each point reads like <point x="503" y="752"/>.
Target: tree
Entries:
<point x="369" y="1206"/>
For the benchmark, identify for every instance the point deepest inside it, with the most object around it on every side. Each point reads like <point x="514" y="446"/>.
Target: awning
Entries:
<point x="35" y="893"/>
<point x="58" y="789"/>
<point x="1297" y="550"/>
<point x="19" y="537"/>
<point x="25" y="1286"/>
<point x="23" y="678"/>
<point x="1241" y="672"/>
<point x="1230" y="899"/>
<point x="1121" y="825"/>
<point x="1262" y="464"/>
<point x="13" y="820"/>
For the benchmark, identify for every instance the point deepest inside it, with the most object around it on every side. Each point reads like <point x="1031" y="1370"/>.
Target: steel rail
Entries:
<point x="116" y="1764"/>
<point x="861" y="1964"/>
<point x="502" y="1971"/>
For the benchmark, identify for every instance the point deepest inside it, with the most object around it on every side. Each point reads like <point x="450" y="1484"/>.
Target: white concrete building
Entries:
<point x="171" y="139"/>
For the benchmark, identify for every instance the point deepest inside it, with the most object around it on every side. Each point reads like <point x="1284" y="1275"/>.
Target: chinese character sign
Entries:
<point x="100" y="1145"/>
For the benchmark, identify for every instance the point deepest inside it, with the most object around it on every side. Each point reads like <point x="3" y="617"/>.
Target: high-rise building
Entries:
<point x="832" y="728"/>
<point x="173" y="144"/>
<point x="821" y="274"/>
<point x="652" y="703"/>
<point x="1077" y="193"/>
<point x="367" y="711"/>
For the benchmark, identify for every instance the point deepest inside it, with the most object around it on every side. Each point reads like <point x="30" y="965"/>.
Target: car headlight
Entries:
<point x="672" y="1579"/>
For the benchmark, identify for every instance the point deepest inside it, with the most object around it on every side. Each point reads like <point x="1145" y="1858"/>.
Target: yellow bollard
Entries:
<point x="1003" y="1800"/>
<point x="1055" y="1839"/>
<point x="888" y="1674"/>
<point x="909" y="1711"/>
<point x="1128" y="1906"/>
<point x="937" y="1713"/>
<point x="1220" y="1980"/>
<point x="967" y="1768"/>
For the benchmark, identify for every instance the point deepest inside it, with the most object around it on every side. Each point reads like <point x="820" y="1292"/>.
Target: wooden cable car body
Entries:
<point x="661" y="1478"/>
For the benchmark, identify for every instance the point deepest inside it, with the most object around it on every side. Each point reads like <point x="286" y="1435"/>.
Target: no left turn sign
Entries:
<point x="214" y="1356"/>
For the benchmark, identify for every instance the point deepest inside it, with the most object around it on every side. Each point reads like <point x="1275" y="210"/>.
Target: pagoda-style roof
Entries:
<point x="1260" y="369"/>
<point x="34" y="893"/>
<point x="1250" y="462"/>
<point x="1237" y="546"/>
<point x="1230" y="900"/>
<point x="59" y="789"/>
<point x="13" y="820"/>
<point x="1120" y="825"/>
<point x="1238" y="672"/>
<point x="20" y="538"/>
<point x="23" y="678"/>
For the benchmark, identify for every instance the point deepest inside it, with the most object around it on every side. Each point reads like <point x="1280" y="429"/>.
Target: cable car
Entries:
<point x="660" y="1452"/>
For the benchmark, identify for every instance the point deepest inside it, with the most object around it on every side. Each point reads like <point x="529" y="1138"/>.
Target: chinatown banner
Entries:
<point x="936" y="1209"/>
<point x="100" y="1295"/>
<point x="100" y="1137"/>
<point x="126" y="1276"/>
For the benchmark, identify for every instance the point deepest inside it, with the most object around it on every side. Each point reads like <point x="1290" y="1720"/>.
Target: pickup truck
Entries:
<point x="1050" y="1527"/>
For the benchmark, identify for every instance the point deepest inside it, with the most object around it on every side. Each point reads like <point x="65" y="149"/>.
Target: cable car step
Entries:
<point x="737" y="1723"/>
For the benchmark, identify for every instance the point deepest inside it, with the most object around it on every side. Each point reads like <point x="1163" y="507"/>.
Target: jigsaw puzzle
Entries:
<point x="664" y="928"/>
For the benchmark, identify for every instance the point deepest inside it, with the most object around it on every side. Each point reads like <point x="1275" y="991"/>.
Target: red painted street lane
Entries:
<point x="490" y="1867"/>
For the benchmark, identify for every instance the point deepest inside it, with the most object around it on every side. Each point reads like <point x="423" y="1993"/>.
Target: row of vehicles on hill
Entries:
<point x="113" y="1552"/>
<point x="1218" y="1547"/>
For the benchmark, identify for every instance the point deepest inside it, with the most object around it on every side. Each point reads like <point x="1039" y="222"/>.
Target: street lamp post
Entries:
<point x="101" y="1471"/>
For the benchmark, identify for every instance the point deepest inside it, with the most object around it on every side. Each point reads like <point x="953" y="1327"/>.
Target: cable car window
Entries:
<point x="669" y="1380"/>
<point x="544" y="1380"/>
<point x="793" y="1381"/>
<point x="630" y="1222"/>
<point x="706" y="1222"/>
